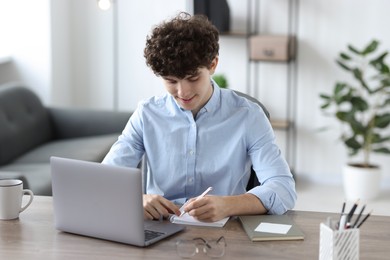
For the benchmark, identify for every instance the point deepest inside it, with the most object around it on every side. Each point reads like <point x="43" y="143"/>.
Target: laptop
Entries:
<point x="103" y="201"/>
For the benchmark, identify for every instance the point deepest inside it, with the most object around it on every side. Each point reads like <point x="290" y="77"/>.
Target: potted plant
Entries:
<point x="221" y="80"/>
<point x="362" y="107"/>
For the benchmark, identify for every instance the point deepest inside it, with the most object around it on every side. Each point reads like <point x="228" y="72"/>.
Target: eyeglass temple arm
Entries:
<point x="206" y="243"/>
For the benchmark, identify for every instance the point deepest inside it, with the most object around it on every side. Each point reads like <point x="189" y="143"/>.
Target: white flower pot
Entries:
<point x="361" y="183"/>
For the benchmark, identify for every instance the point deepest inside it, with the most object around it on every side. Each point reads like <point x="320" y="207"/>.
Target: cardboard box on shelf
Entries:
<point x="272" y="47"/>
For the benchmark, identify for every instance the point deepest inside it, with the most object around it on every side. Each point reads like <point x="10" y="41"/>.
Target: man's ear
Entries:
<point x="213" y="65"/>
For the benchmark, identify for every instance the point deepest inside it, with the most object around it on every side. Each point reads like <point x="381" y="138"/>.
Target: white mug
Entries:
<point x="11" y="194"/>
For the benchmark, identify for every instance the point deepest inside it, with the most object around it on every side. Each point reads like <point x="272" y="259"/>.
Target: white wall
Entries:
<point x="82" y="60"/>
<point x="136" y="19"/>
<point x="25" y="34"/>
<point x="82" y="54"/>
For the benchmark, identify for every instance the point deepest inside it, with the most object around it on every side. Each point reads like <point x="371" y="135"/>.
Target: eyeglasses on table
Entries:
<point x="212" y="248"/>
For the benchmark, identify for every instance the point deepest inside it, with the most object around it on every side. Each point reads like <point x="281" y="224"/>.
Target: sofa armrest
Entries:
<point x="72" y="123"/>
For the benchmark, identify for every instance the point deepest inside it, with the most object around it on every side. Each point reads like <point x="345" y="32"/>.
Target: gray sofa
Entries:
<point x="30" y="133"/>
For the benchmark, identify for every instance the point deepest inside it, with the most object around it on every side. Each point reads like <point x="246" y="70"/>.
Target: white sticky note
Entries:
<point x="273" y="228"/>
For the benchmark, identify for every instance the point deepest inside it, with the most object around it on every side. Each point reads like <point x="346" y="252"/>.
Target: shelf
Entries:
<point x="272" y="61"/>
<point x="240" y="34"/>
<point x="268" y="48"/>
<point x="280" y="124"/>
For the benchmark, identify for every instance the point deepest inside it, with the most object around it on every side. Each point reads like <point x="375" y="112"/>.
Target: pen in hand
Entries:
<point x="199" y="197"/>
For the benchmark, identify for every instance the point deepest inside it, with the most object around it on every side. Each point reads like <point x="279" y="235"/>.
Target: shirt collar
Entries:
<point x="213" y="102"/>
<point x="211" y="105"/>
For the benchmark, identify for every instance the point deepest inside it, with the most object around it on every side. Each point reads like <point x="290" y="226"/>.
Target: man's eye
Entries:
<point x="193" y="79"/>
<point x="171" y="81"/>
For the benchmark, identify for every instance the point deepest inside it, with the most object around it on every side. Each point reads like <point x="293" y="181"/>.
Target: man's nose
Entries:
<point x="183" y="89"/>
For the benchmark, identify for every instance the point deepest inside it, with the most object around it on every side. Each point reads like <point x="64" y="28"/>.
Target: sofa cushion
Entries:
<point x="24" y="122"/>
<point x="33" y="168"/>
<point x="35" y="176"/>
<point x="92" y="148"/>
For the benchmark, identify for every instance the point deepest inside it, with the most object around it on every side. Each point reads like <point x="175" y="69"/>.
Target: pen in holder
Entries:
<point x="338" y="244"/>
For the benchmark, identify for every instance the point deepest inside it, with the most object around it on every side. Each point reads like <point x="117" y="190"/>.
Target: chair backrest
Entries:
<point x="254" y="100"/>
<point x="253" y="180"/>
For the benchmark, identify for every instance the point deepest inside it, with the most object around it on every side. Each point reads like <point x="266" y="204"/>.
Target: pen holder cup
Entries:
<point x="338" y="244"/>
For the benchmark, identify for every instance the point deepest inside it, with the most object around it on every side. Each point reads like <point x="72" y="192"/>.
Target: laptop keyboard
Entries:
<point x="150" y="234"/>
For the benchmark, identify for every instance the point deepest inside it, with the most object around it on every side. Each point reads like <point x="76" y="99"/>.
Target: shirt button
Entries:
<point x="191" y="152"/>
<point x="191" y="180"/>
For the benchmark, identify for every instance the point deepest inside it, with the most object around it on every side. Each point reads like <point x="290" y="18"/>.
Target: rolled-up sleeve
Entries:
<point x="277" y="194"/>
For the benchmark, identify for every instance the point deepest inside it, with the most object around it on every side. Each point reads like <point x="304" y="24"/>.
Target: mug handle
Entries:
<point x="29" y="192"/>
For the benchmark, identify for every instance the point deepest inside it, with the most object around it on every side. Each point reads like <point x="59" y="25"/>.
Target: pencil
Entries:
<point x="350" y="214"/>
<point x="358" y="217"/>
<point x="366" y="217"/>
<point x="341" y="215"/>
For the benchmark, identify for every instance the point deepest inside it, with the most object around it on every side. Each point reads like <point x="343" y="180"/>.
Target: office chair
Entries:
<point x="253" y="180"/>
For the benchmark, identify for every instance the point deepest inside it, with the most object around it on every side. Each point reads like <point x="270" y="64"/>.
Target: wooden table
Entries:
<point x="33" y="236"/>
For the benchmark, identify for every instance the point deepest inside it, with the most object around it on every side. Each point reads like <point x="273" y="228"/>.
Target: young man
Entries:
<point x="198" y="135"/>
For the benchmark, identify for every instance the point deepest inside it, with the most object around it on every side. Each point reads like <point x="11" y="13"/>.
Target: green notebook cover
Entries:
<point x="250" y="223"/>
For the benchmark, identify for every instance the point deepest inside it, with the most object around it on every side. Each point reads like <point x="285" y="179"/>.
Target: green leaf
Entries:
<point x="381" y="67"/>
<point x="353" y="152"/>
<point x="324" y="96"/>
<point x="386" y="103"/>
<point x="221" y="80"/>
<point x="370" y="48"/>
<point x="359" y="104"/>
<point x="342" y="116"/>
<point x="357" y="73"/>
<point x="326" y="105"/>
<point x="382" y="56"/>
<point x="382" y="150"/>
<point x="376" y="139"/>
<point x="344" y="56"/>
<point x="349" y="117"/>
<point x="343" y="98"/>
<point x="385" y="82"/>
<point x="385" y="69"/>
<point x="379" y="64"/>
<point x="357" y="127"/>
<point x="354" y="50"/>
<point x="359" y="76"/>
<point x="343" y="65"/>
<point x="352" y="143"/>
<point x="382" y="121"/>
<point x="339" y="87"/>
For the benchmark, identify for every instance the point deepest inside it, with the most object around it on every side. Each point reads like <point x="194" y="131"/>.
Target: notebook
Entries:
<point x="189" y="220"/>
<point x="271" y="227"/>
<point x="103" y="201"/>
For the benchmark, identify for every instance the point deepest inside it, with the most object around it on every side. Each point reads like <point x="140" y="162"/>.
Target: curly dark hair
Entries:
<point x="181" y="46"/>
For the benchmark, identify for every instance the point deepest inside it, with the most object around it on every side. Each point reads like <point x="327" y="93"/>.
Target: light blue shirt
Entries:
<point x="217" y="148"/>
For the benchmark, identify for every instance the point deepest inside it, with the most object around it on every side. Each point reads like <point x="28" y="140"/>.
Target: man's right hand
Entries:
<point x="156" y="206"/>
